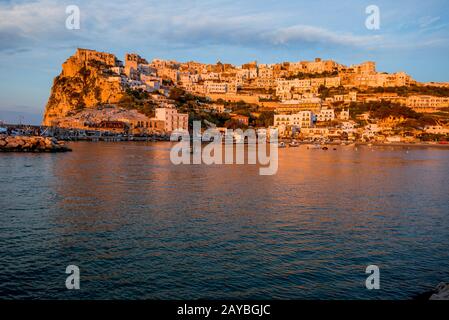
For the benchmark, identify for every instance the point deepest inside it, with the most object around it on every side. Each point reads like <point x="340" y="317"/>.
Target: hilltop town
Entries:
<point x="306" y="100"/>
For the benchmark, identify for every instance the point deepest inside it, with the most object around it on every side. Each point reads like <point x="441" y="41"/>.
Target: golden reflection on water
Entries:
<point x="321" y="218"/>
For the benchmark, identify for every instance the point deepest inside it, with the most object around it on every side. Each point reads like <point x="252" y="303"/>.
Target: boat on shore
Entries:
<point x="293" y="144"/>
<point x="282" y="145"/>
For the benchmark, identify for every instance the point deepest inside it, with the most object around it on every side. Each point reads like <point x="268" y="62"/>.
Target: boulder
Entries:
<point x="31" y="144"/>
<point x="12" y="145"/>
<point x="441" y="292"/>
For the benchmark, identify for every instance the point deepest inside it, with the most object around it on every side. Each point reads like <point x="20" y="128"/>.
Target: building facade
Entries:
<point x="173" y="120"/>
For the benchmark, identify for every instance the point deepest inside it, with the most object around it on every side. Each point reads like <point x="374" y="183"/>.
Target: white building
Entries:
<point x="423" y="103"/>
<point x="326" y="114"/>
<point x="173" y="119"/>
<point x="344" y="115"/>
<point x="302" y="119"/>
<point x="154" y="83"/>
<point x="216" y="87"/>
<point x="437" y="129"/>
<point x="210" y="76"/>
<point x="349" y="127"/>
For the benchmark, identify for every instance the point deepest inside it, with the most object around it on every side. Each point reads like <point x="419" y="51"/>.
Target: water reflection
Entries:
<point x="140" y="227"/>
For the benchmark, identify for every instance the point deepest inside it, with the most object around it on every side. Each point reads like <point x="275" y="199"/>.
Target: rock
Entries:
<point x="442" y="292"/>
<point x="82" y="84"/>
<point x="31" y="144"/>
<point x="12" y="145"/>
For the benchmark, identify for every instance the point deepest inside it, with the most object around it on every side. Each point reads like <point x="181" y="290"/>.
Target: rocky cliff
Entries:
<point x="86" y="81"/>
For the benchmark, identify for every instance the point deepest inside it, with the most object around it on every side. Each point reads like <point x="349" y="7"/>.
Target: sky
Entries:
<point x="413" y="36"/>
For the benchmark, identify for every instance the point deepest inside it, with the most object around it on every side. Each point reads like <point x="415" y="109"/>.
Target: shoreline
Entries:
<point x="405" y="144"/>
<point x="49" y="144"/>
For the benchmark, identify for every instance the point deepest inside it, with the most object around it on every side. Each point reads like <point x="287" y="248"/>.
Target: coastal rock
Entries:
<point x="441" y="292"/>
<point x="31" y="144"/>
<point x="85" y="82"/>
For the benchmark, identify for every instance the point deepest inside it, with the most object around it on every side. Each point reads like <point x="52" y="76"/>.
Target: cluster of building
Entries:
<point x="308" y="125"/>
<point x="291" y="89"/>
<point x="286" y="82"/>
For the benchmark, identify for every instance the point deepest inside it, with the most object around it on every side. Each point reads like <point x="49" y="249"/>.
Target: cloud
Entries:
<point x="426" y="21"/>
<point x="41" y="24"/>
<point x="310" y="34"/>
<point x="24" y="25"/>
<point x="11" y="39"/>
<point x="32" y="18"/>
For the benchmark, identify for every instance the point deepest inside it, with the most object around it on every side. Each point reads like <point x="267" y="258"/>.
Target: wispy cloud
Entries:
<point x="25" y="25"/>
<point x="311" y="34"/>
<point x="426" y="21"/>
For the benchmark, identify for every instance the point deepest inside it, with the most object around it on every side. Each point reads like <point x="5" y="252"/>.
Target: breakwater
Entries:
<point x="31" y="144"/>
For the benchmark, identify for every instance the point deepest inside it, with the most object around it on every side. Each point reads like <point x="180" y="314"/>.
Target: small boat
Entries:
<point x="281" y="145"/>
<point x="315" y="146"/>
<point x="325" y="148"/>
<point x="293" y="144"/>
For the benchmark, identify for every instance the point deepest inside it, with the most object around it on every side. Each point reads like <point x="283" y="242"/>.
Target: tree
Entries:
<point x="234" y="124"/>
<point x="266" y="119"/>
<point x="177" y="94"/>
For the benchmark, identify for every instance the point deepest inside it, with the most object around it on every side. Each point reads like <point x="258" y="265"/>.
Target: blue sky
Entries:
<point x="413" y="37"/>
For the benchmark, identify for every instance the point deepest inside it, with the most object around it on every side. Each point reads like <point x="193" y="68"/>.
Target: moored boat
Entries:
<point x="314" y="146"/>
<point x="293" y="144"/>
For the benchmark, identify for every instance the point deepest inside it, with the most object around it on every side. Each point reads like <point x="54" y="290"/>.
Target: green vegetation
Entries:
<point x="234" y="124"/>
<point x="433" y="137"/>
<point x="139" y="100"/>
<point x="180" y="96"/>
<point x="265" y="119"/>
<point x="326" y="92"/>
<point x="192" y="105"/>
<point x="412" y="90"/>
<point x="385" y="109"/>
<point x="301" y="75"/>
<point x="400" y="91"/>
